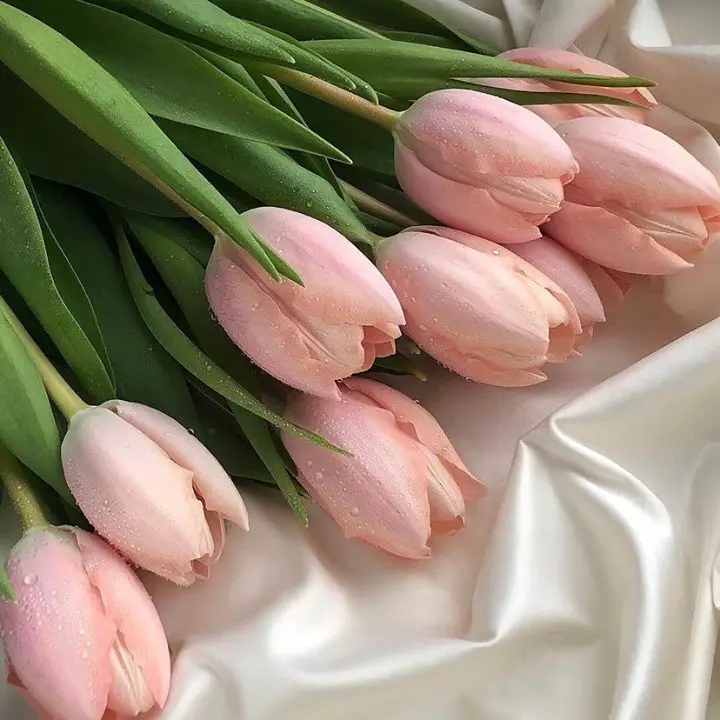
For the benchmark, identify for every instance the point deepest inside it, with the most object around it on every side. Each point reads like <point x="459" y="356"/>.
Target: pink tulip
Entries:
<point x="83" y="636"/>
<point x="640" y="203"/>
<point x="150" y="488"/>
<point x="565" y="60"/>
<point x="403" y="479"/>
<point x="308" y="337"/>
<point x="478" y="308"/>
<point x="481" y="164"/>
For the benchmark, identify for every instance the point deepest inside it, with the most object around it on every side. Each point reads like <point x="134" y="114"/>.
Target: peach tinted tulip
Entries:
<point x="150" y="488"/>
<point x="478" y="308"/>
<point x="640" y="203"/>
<point x="481" y="164"/>
<point x="308" y="337"/>
<point x="83" y="637"/>
<point x="566" y="60"/>
<point x="403" y="479"/>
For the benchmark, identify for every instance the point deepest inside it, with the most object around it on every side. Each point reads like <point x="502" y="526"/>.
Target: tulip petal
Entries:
<point x="210" y="480"/>
<point x="460" y="205"/>
<point x="416" y="422"/>
<point x="605" y="238"/>
<point x="134" y="495"/>
<point x="611" y="286"/>
<point x="379" y="493"/>
<point x="633" y="165"/>
<point x="143" y="646"/>
<point x="275" y="344"/>
<point x="57" y="636"/>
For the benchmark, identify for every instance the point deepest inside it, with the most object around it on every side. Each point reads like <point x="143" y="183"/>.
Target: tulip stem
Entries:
<point x="57" y="387"/>
<point x="333" y="95"/>
<point x="377" y="207"/>
<point x="21" y="494"/>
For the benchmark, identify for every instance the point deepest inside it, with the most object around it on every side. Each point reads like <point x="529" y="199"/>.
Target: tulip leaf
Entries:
<point x="179" y="346"/>
<point x="53" y="148"/>
<point x="6" y="589"/>
<point x="91" y="98"/>
<point x="383" y="63"/>
<point x="529" y="97"/>
<point x="185" y="277"/>
<point x="452" y="42"/>
<point x="143" y="371"/>
<point x="269" y="174"/>
<point x="42" y="274"/>
<point x="162" y="72"/>
<point x="203" y="20"/>
<point x="299" y="18"/>
<point x="27" y="423"/>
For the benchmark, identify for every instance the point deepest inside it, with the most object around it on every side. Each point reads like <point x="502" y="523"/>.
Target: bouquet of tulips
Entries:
<point x="215" y="218"/>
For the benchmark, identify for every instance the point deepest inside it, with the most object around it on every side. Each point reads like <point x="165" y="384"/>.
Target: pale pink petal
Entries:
<point x="461" y="205"/>
<point x="261" y="328"/>
<point x="420" y="425"/>
<point x="611" y="286"/>
<point x="341" y="285"/>
<point x="141" y="639"/>
<point x="133" y="494"/>
<point x="210" y="480"/>
<point x="379" y="492"/>
<point x="609" y="240"/>
<point x="57" y="636"/>
<point x="633" y="165"/>
<point x="463" y="133"/>
<point x="567" y="271"/>
<point x="447" y="505"/>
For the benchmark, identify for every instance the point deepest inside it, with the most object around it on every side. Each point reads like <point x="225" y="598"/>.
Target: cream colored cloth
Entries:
<point x="585" y="587"/>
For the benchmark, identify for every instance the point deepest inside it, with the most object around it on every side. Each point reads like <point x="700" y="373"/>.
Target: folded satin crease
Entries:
<point x="586" y="585"/>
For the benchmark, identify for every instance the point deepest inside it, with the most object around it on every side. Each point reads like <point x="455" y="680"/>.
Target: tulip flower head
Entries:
<point x="640" y="203"/>
<point x="565" y="60"/>
<point x="403" y="480"/>
<point x="478" y="308"/>
<point x="83" y="639"/>
<point x="309" y="337"/>
<point x="481" y="164"/>
<point x="150" y="488"/>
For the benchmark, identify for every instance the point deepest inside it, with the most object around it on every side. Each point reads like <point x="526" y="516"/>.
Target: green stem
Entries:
<point x="333" y="95"/>
<point x="57" y="387"/>
<point x="21" y="494"/>
<point x="377" y="207"/>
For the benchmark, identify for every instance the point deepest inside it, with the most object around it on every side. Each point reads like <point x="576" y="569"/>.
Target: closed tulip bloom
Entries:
<point x="481" y="164"/>
<point x="403" y="480"/>
<point x="308" y="337"/>
<point x="150" y="488"/>
<point x="478" y="308"/>
<point x="83" y="639"/>
<point x="566" y="60"/>
<point x="640" y="203"/>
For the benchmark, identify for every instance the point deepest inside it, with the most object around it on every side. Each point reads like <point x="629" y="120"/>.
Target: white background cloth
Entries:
<point x="586" y="587"/>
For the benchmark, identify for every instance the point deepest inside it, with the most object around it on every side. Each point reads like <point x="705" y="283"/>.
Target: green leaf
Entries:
<point x="143" y="371"/>
<point x="177" y="344"/>
<point x="528" y="97"/>
<point x="368" y="145"/>
<point x="87" y="95"/>
<point x="163" y="72"/>
<point x="270" y="175"/>
<point x="185" y="276"/>
<point x="387" y="63"/>
<point x="6" y="589"/>
<point x="299" y="18"/>
<point x="398" y="365"/>
<point x="207" y="22"/>
<point x="27" y="423"/>
<point x="53" y="293"/>
<point x="54" y="148"/>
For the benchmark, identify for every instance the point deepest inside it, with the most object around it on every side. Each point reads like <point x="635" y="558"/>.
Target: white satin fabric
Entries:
<point x="586" y="587"/>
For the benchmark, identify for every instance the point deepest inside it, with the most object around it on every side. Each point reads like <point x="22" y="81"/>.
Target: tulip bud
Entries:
<point x="478" y="308"/>
<point x="640" y="203"/>
<point x="83" y="637"/>
<point x="344" y="317"/>
<point x="150" y="488"/>
<point x="566" y="60"/>
<point x="403" y="479"/>
<point x="481" y="164"/>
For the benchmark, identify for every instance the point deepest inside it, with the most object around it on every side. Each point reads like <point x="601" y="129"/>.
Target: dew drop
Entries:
<point x="496" y="252"/>
<point x="30" y="579"/>
<point x="309" y="463"/>
<point x="318" y="476"/>
<point x="423" y="327"/>
<point x="191" y="431"/>
<point x="354" y="511"/>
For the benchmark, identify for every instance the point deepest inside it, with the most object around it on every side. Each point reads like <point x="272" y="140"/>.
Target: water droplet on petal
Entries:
<point x="355" y="511"/>
<point x="423" y="327"/>
<point x="318" y="476"/>
<point x="30" y="579"/>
